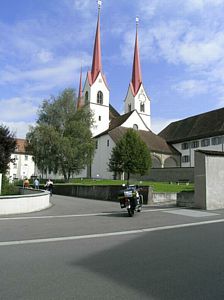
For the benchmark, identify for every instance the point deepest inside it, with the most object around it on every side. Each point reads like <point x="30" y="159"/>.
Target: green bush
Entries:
<point x="8" y="188"/>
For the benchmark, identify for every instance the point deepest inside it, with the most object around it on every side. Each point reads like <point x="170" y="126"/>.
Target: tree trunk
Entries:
<point x="128" y="177"/>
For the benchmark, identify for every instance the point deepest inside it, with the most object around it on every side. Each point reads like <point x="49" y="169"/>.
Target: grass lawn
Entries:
<point x="157" y="186"/>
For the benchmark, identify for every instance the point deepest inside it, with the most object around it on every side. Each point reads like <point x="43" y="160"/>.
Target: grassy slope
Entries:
<point x="157" y="186"/>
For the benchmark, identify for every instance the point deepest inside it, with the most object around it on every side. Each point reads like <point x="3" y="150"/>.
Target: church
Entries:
<point x="173" y="149"/>
<point x="109" y="126"/>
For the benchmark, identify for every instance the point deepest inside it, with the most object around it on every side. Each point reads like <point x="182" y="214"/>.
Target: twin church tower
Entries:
<point x="96" y="94"/>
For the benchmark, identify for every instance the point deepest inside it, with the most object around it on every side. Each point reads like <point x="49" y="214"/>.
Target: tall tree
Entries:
<point x="130" y="155"/>
<point x="61" y="141"/>
<point x="7" y="147"/>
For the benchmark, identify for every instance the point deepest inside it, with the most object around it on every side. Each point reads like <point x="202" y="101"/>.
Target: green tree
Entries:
<point x="7" y="147"/>
<point x="130" y="155"/>
<point x="61" y="141"/>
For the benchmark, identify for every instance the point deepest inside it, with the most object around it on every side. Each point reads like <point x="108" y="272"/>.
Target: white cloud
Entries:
<point x="45" y="56"/>
<point x="158" y="124"/>
<point x="17" y="109"/>
<point x="191" y="87"/>
<point x="59" y="74"/>
<point x="19" y="128"/>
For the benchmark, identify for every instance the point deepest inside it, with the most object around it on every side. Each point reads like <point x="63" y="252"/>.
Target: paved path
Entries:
<point x="86" y="249"/>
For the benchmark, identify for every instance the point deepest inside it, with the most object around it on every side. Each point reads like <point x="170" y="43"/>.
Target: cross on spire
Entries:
<point x="96" y="63"/>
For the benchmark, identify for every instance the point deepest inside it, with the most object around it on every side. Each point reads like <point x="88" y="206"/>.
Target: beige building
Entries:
<point x="23" y="165"/>
<point x="201" y="132"/>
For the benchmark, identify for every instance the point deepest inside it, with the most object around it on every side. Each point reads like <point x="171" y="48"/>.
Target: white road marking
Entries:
<point x="73" y="216"/>
<point x="191" y="213"/>
<point x="109" y="234"/>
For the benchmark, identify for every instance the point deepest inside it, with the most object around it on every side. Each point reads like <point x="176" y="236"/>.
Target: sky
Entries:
<point x="43" y="44"/>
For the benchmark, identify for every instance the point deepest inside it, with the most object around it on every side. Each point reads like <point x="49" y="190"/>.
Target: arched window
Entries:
<point x="135" y="127"/>
<point x="156" y="162"/>
<point x="142" y="107"/>
<point x="99" y="97"/>
<point x="170" y="162"/>
<point x="86" y="97"/>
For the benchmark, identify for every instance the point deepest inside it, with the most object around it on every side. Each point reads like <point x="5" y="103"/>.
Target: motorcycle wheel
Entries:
<point x="130" y="212"/>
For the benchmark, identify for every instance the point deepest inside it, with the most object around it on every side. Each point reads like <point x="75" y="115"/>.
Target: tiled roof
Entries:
<point x="153" y="141"/>
<point x="200" y="126"/>
<point x="115" y="122"/>
<point x="113" y="113"/>
<point x="20" y="146"/>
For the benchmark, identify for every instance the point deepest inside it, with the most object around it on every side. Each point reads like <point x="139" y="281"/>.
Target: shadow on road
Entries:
<point x="175" y="264"/>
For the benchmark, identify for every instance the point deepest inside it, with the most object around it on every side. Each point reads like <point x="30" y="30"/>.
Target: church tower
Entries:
<point x="137" y="98"/>
<point x="96" y="93"/>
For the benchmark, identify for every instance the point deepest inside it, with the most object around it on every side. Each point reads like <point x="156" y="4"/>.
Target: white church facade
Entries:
<point x="109" y="126"/>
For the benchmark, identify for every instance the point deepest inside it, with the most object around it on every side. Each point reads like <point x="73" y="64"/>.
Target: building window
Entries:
<point x="217" y="140"/>
<point x="99" y="97"/>
<point x="185" y="158"/>
<point x="16" y="157"/>
<point x="108" y="143"/>
<point x="129" y="107"/>
<point x="195" y="144"/>
<point x="14" y="166"/>
<point x="96" y="144"/>
<point x="99" y="118"/>
<point x="86" y="97"/>
<point x="135" y="127"/>
<point x="184" y="146"/>
<point x="205" y="143"/>
<point x="142" y="107"/>
<point x="26" y="157"/>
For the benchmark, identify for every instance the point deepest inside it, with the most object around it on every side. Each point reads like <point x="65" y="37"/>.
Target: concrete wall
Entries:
<point x="30" y="201"/>
<point x="186" y="199"/>
<point x="163" y="198"/>
<point x="0" y="184"/>
<point x="209" y="178"/>
<point x="110" y="193"/>
<point x="170" y="174"/>
<point x="98" y="192"/>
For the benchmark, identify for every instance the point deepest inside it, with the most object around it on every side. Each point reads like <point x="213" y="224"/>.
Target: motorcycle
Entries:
<point x="131" y="199"/>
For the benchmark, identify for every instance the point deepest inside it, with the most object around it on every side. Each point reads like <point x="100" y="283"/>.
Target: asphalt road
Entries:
<point x="84" y="249"/>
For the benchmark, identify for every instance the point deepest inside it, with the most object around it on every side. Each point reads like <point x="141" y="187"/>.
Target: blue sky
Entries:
<point x="43" y="43"/>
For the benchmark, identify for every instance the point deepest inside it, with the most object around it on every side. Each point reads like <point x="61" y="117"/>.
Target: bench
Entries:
<point x="182" y="181"/>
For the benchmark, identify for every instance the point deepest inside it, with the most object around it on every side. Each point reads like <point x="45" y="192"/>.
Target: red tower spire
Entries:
<point x="96" y="63"/>
<point x="80" y="98"/>
<point x="136" y="70"/>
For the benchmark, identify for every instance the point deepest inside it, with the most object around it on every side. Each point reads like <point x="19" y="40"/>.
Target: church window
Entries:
<point x="185" y="158"/>
<point x="99" y="118"/>
<point x="195" y="144"/>
<point x="184" y="146"/>
<point x="135" y="127"/>
<point x="99" y="97"/>
<point x="205" y="142"/>
<point x="142" y="107"/>
<point x="217" y="140"/>
<point x="86" y="97"/>
<point x="129" y="107"/>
